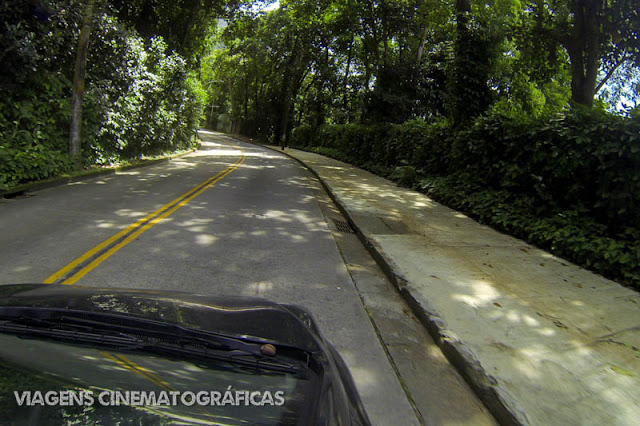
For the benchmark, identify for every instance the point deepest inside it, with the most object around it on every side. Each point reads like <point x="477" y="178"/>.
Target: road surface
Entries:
<point x="229" y="219"/>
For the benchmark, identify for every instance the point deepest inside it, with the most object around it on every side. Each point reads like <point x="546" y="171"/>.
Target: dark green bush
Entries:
<point x="405" y="176"/>
<point x="570" y="184"/>
<point x="303" y="136"/>
<point x="571" y="234"/>
<point x="584" y="158"/>
<point x="32" y="163"/>
<point x="33" y="132"/>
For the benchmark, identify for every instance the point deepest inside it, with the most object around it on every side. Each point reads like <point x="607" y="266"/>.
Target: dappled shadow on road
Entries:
<point x="257" y="232"/>
<point x="158" y="183"/>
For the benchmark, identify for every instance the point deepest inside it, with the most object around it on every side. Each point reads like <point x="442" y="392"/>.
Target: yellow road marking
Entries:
<point x="148" y="221"/>
<point x="144" y="373"/>
<point x="140" y="371"/>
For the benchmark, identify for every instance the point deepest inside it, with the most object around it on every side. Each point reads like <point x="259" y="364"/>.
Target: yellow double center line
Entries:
<point x="140" y="371"/>
<point x="94" y="257"/>
<point x="146" y="374"/>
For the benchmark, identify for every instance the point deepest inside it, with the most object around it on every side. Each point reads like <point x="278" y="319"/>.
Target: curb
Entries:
<point x="456" y="351"/>
<point x="66" y="179"/>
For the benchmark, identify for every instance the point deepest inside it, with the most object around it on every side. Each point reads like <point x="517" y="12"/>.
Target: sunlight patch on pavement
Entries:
<point x="206" y="239"/>
<point x="105" y="225"/>
<point x="483" y="294"/>
<point x="129" y="213"/>
<point x="216" y="152"/>
<point x="257" y="288"/>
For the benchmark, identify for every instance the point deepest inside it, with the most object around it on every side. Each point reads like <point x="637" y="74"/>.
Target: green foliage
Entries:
<point x="157" y="112"/>
<point x="304" y="136"/>
<point x="35" y="101"/>
<point x="469" y="93"/>
<point x="404" y="90"/>
<point x="405" y="175"/>
<point x="31" y="163"/>
<point x="183" y="24"/>
<point x="570" y="184"/>
<point x="394" y="98"/>
<point x="33" y="139"/>
<point x="423" y="145"/>
<point x="315" y="62"/>
<point x="595" y="35"/>
<point x="571" y="234"/>
<point x="329" y="152"/>
<point x="140" y="99"/>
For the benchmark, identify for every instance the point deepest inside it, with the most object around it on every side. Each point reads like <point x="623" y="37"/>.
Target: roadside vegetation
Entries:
<point x="569" y="185"/>
<point x="523" y="114"/>
<point x="139" y="95"/>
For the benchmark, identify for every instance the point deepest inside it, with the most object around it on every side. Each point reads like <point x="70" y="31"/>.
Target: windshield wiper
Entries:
<point x="23" y="329"/>
<point x="141" y="334"/>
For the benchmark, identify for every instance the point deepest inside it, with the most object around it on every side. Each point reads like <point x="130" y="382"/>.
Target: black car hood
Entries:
<point x="234" y="316"/>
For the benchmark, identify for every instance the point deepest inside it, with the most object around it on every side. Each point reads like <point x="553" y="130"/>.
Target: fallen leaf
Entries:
<point x="622" y="371"/>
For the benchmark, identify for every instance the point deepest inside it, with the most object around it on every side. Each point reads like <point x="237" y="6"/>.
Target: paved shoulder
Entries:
<point x="541" y="340"/>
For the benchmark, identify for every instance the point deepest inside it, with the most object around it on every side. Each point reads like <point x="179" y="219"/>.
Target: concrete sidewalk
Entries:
<point x="540" y="340"/>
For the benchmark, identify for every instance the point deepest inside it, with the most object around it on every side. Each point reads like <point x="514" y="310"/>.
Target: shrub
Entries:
<point x="570" y="184"/>
<point x="139" y="100"/>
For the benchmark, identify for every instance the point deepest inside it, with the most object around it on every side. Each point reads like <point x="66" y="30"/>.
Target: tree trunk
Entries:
<point x="345" y="95"/>
<point x="78" y="85"/>
<point x="187" y="29"/>
<point x="421" y="47"/>
<point x="234" y="109"/>
<point x="245" y="115"/>
<point x="287" y="94"/>
<point x="583" y="49"/>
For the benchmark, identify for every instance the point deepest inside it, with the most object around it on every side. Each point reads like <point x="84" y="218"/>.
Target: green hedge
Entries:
<point x="570" y="185"/>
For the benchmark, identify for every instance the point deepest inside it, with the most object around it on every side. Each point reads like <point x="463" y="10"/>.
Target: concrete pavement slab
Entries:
<point x="542" y="341"/>
<point x="436" y="390"/>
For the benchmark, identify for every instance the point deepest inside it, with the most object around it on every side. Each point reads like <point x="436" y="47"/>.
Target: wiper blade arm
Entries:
<point x="133" y="333"/>
<point x="234" y="356"/>
<point x="24" y="330"/>
<point x="46" y="318"/>
<point x="127" y="342"/>
<point x="170" y="333"/>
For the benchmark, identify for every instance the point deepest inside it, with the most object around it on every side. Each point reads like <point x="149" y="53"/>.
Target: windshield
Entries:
<point x="45" y="382"/>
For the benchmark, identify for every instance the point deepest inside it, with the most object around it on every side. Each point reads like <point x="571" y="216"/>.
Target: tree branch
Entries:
<point x="610" y="73"/>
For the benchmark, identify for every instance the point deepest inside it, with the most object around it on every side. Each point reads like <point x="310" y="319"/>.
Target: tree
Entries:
<point x="273" y="53"/>
<point x="470" y="67"/>
<point x="78" y="85"/>
<point x="593" y="33"/>
<point x="183" y="24"/>
<point x="339" y="61"/>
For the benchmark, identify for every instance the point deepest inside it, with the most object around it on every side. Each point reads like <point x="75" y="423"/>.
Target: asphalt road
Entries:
<point x="257" y="230"/>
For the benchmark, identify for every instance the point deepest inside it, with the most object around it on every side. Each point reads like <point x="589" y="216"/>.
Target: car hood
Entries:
<point x="234" y="316"/>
